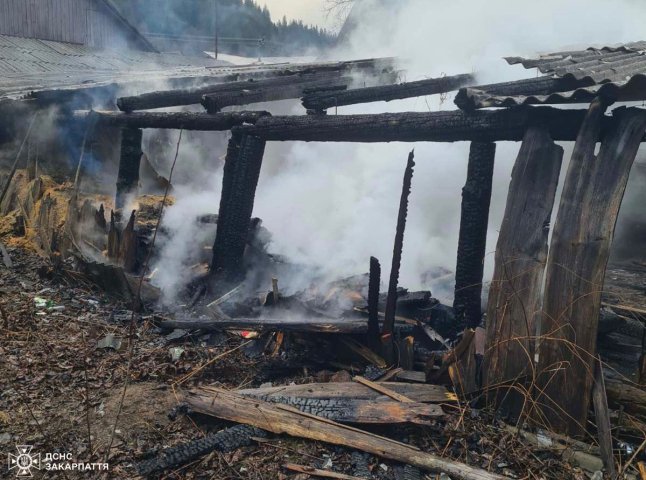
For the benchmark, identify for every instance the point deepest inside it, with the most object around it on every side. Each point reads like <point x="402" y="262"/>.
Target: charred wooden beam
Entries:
<point x="216" y="102"/>
<point x="530" y="86"/>
<point x="172" y="120"/>
<point x="323" y="100"/>
<point x="225" y="440"/>
<point x="373" y="301"/>
<point x="353" y="410"/>
<point x="193" y="96"/>
<point x="418" y="392"/>
<point x="476" y="197"/>
<point x="451" y="126"/>
<point x="391" y="300"/>
<point x="128" y="176"/>
<point x="521" y="253"/>
<point x="265" y="324"/>
<point x="283" y="419"/>
<point x="241" y="172"/>
<point x="592" y="194"/>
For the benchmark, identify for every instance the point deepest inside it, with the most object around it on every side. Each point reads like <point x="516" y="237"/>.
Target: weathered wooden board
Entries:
<point x="579" y="250"/>
<point x="285" y="419"/>
<point x="521" y="255"/>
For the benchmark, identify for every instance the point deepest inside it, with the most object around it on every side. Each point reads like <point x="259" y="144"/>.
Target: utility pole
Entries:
<point x="216" y="26"/>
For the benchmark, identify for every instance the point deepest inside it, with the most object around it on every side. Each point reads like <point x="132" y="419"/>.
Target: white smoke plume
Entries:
<point x="333" y="205"/>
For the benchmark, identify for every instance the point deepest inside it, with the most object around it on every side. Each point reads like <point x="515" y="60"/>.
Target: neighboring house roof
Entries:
<point x="141" y="39"/>
<point x="31" y="68"/>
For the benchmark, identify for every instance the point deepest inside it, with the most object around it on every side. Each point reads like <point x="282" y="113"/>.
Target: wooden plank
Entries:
<point x="381" y="389"/>
<point x="472" y="241"/>
<point x="379" y="410"/>
<point x="419" y="393"/>
<point x="447" y="126"/>
<point x="323" y="100"/>
<point x="602" y="417"/>
<point x="592" y="194"/>
<point x="282" y="419"/>
<point x="521" y="254"/>
<point x="128" y="176"/>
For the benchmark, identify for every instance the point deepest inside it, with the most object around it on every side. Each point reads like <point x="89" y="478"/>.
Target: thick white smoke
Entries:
<point x="333" y="205"/>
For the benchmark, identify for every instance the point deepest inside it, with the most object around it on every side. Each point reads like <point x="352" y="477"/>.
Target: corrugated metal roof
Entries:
<point x="602" y="65"/>
<point x="631" y="90"/>
<point x="30" y="65"/>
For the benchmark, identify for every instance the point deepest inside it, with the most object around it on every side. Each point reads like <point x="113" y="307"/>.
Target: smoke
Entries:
<point x="332" y="205"/>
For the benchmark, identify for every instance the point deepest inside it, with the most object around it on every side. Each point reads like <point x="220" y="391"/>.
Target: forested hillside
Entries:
<point x="238" y="19"/>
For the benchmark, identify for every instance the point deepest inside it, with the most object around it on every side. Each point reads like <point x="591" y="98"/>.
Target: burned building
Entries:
<point x="535" y="357"/>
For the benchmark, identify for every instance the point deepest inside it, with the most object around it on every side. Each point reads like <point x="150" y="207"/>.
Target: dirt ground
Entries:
<point x="61" y="393"/>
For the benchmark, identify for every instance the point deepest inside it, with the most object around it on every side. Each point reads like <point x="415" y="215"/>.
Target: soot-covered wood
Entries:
<point x="241" y="173"/>
<point x="192" y="96"/>
<point x="450" y="126"/>
<point x="323" y="100"/>
<point x="476" y="197"/>
<point x="521" y="253"/>
<point x="592" y="194"/>
<point x="128" y="176"/>
<point x="172" y="120"/>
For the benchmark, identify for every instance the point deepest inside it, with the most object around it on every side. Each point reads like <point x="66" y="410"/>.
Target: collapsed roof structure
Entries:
<point x="553" y="282"/>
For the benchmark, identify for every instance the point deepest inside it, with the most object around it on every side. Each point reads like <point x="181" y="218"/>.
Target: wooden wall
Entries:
<point x="88" y="22"/>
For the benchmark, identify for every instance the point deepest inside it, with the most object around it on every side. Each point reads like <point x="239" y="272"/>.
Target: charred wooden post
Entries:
<point x="323" y="100"/>
<point x="241" y="173"/>
<point x="451" y="126"/>
<point x="128" y="177"/>
<point x="171" y="120"/>
<point x="128" y="247"/>
<point x="193" y="96"/>
<point x="592" y="194"/>
<point x="213" y="103"/>
<point x="476" y="197"/>
<point x="391" y="300"/>
<point x="373" y="301"/>
<point x="521" y="253"/>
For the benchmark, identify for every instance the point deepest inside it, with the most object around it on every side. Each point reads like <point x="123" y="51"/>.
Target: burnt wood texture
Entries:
<point x="172" y="120"/>
<point x="323" y="100"/>
<point x="579" y="249"/>
<point x="474" y="219"/>
<point x="241" y="172"/>
<point x="128" y="176"/>
<point x="452" y="126"/>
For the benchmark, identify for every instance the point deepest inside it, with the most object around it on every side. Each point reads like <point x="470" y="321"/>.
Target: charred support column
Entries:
<point x="476" y="197"/>
<point x="241" y="173"/>
<point x="128" y="176"/>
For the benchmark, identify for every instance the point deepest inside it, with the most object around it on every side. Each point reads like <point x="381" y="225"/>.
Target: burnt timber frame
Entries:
<point x="321" y="101"/>
<point x="241" y="172"/>
<point x="128" y="176"/>
<point x="472" y="242"/>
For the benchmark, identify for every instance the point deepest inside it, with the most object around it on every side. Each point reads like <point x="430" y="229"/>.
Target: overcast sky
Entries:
<point x="310" y="11"/>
